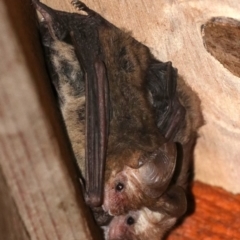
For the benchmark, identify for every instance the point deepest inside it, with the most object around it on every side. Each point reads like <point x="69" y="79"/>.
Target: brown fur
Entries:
<point x="133" y="133"/>
<point x="133" y="130"/>
<point x="193" y="118"/>
<point x="72" y="105"/>
<point x="155" y="224"/>
<point x="187" y="135"/>
<point x="150" y="225"/>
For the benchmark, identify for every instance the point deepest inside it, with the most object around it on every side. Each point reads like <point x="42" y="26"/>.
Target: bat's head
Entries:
<point x="139" y="225"/>
<point x="145" y="224"/>
<point x="141" y="182"/>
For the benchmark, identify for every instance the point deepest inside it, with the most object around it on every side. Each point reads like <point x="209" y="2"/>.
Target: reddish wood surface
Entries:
<point x="216" y="216"/>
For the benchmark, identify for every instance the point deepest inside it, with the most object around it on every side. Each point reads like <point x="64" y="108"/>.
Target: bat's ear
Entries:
<point x="54" y="20"/>
<point x="156" y="173"/>
<point x="173" y="202"/>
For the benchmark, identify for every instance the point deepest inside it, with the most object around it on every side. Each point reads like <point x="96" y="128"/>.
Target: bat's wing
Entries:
<point x="82" y="32"/>
<point x="88" y="51"/>
<point x="162" y="82"/>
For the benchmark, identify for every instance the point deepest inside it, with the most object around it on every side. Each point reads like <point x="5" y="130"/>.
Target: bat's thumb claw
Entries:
<point x="93" y="200"/>
<point x="79" y="5"/>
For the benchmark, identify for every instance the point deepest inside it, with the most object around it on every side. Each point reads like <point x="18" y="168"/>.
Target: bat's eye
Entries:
<point x="119" y="187"/>
<point x="130" y="221"/>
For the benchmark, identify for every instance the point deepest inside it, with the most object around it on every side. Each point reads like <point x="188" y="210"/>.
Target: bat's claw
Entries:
<point x="93" y="200"/>
<point x="80" y="6"/>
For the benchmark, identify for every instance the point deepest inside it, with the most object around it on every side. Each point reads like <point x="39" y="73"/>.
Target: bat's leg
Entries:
<point x="82" y="7"/>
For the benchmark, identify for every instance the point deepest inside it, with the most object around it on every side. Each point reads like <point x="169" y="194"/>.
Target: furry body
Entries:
<point x="140" y="161"/>
<point x="154" y="223"/>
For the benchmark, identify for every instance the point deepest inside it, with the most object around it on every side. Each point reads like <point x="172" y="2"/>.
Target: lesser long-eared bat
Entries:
<point x="154" y="222"/>
<point x="145" y="223"/>
<point x="140" y="161"/>
<point x="119" y="104"/>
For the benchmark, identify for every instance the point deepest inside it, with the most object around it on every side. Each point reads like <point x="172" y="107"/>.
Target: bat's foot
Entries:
<point x="80" y="6"/>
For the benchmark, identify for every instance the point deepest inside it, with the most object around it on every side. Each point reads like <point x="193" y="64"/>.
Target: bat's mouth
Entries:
<point x="108" y="210"/>
<point x="113" y="208"/>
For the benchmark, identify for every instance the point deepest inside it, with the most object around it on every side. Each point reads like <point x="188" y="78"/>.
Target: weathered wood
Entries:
<point x="35" y="157"/>
<point x="172" y="29"/>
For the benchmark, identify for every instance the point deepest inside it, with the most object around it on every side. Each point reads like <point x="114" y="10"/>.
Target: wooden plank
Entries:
<point x="35" y="157"/>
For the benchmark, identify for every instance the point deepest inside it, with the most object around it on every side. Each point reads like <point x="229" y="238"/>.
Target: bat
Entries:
<point x="68" y="80"/>
<point x="145" y="224"/>
<point x="139" y="158"/>
<point x="154" y="222"/>
<point x="65" y="65"/>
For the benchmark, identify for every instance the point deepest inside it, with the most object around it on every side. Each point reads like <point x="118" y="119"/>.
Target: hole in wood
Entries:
<point x="221" y="39"/>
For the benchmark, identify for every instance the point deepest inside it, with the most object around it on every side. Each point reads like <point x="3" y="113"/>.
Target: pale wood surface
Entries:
<point x="34" y="157"/>
<point x="172" y="29"/>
